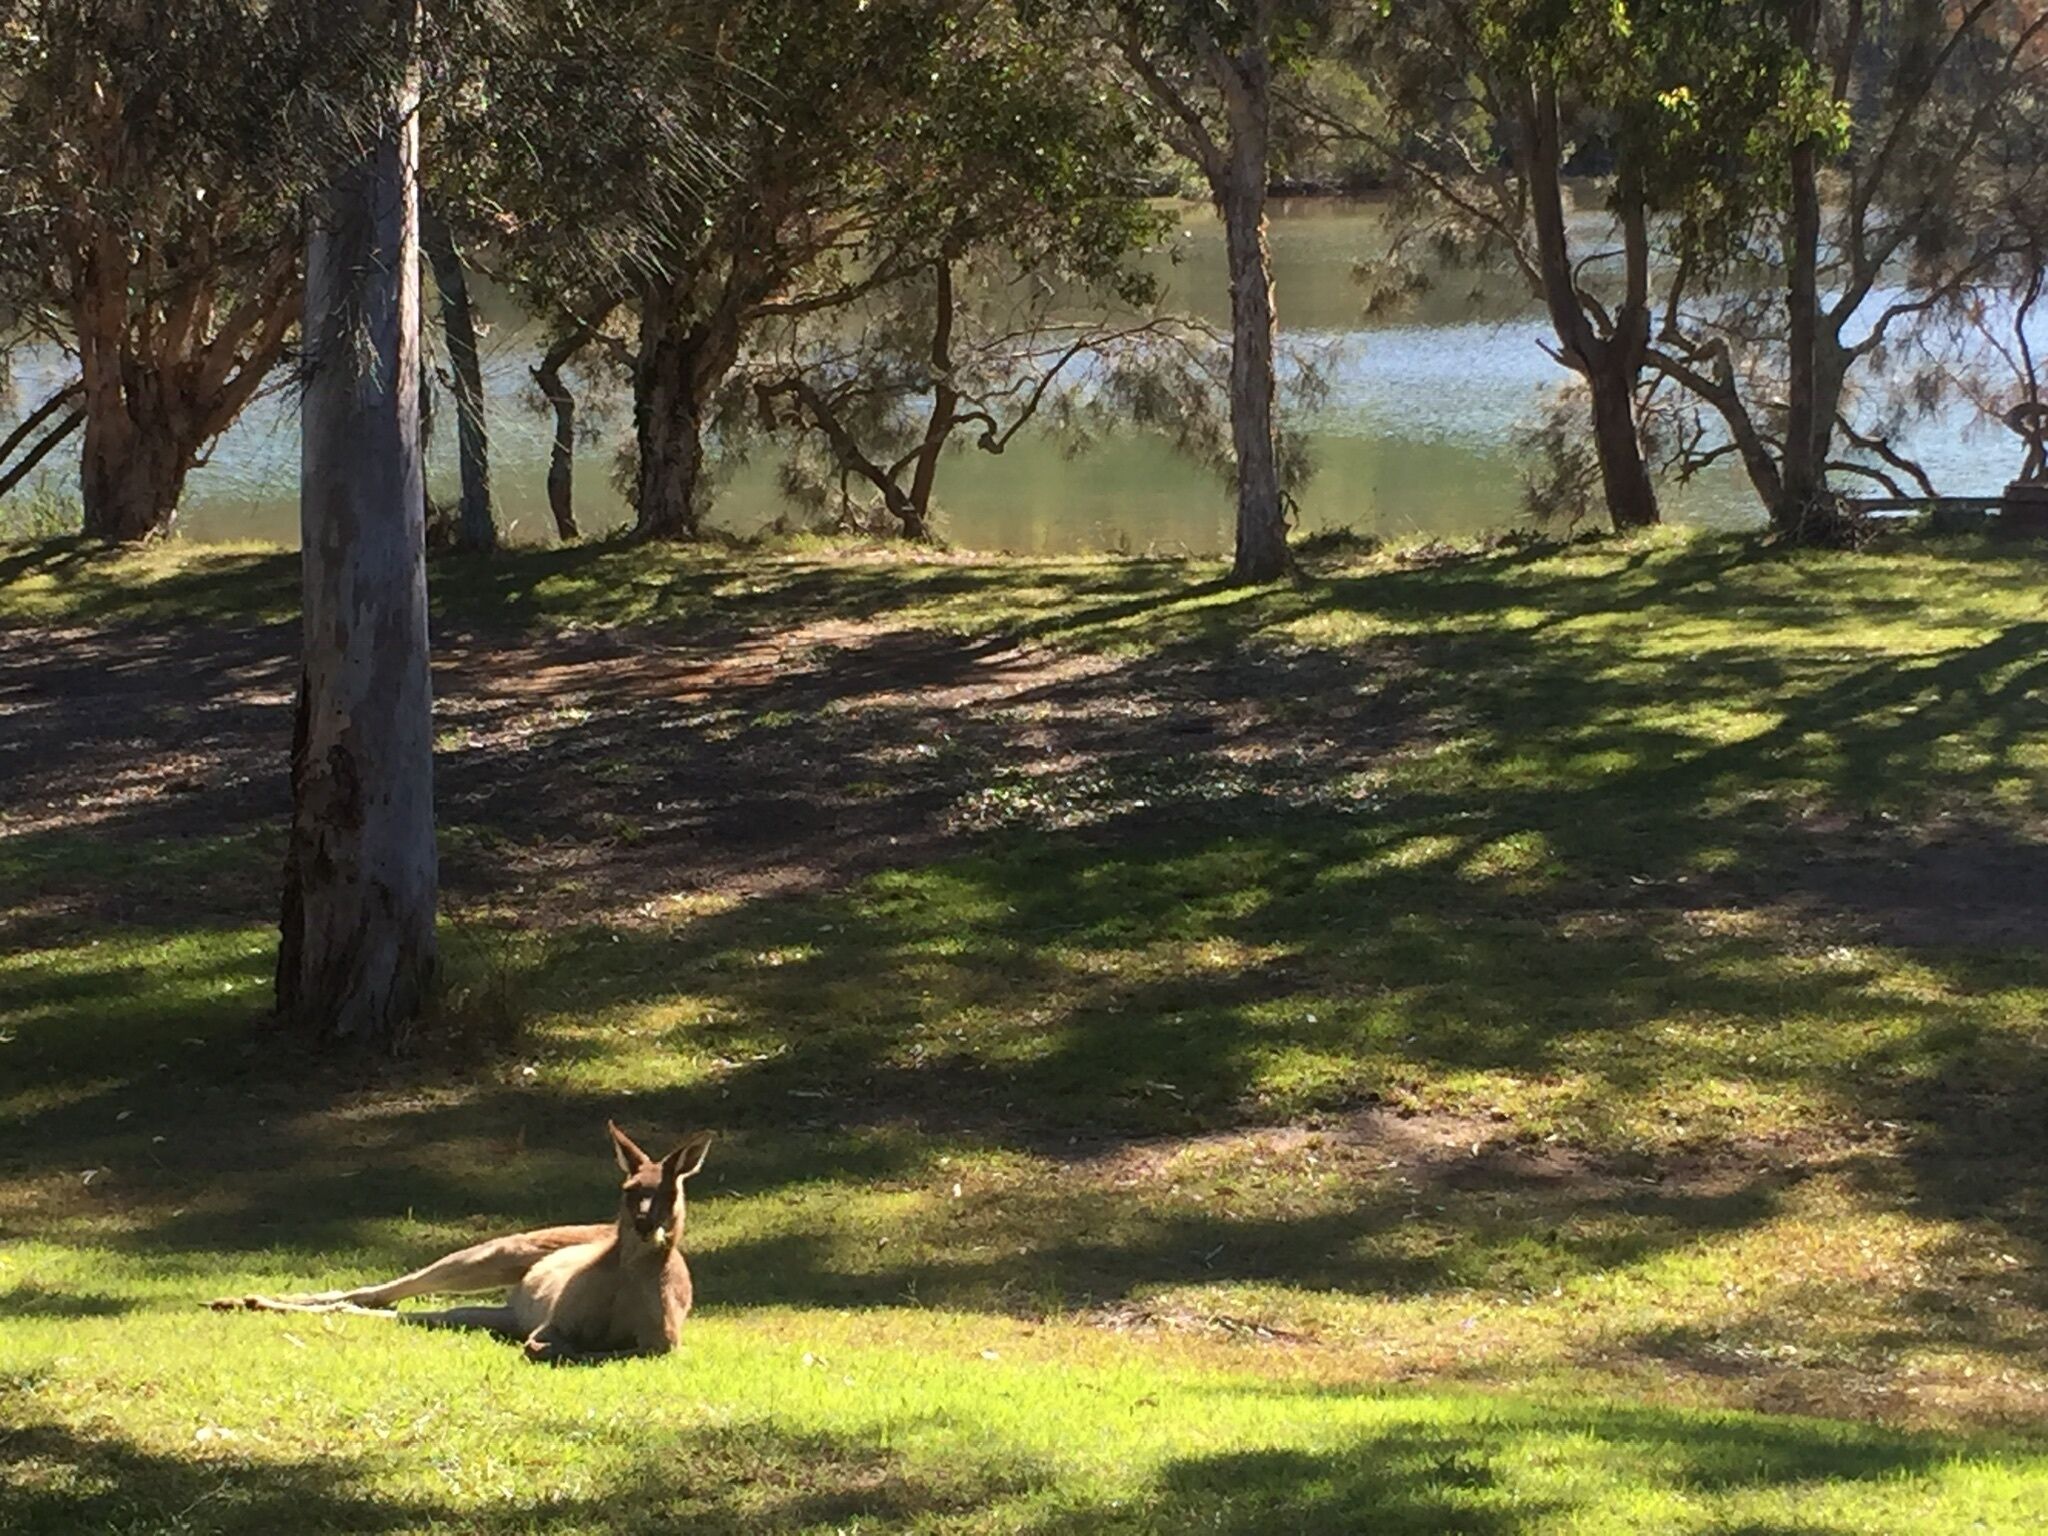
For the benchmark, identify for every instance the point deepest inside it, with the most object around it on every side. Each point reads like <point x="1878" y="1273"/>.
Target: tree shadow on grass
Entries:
<point x="207" y="586"/>
<point x="740" y="1479"/>
<point x="1469" y="1470"/>
<point x="1452" y="1476"/>
<point x="1176" y="929"/>
<point x="32" y="1300"/>
<point x="823" y="1075"/>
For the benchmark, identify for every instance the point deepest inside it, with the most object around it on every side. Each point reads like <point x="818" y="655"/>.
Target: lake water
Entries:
<point x="1415" y="435"/>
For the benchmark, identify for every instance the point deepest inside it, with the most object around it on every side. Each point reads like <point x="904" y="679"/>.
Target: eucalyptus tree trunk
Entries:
<point x="357" y="958"/>
<point x="1245" y="77"/>
<point x="475" y="528"/>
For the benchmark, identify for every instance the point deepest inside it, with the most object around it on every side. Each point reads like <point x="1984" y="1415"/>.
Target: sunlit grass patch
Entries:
<point x="806" y="1421"/>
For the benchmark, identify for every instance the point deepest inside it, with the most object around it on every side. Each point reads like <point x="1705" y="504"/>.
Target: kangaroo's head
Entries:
<point x="651" y="1199"/>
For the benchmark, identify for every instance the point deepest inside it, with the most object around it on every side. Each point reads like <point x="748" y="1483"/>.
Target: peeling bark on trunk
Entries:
<point x="137" y="450"/>
<point x="916" y="517"/>
<point x="160" y="381"/>
<point x="475" y="527"/>
<point x="357" y="955"/>
<point x="1624" y="476"/>
<point x="1804" y="507"/>
<point x="1803" y="481"/>
<point x="668" y="426"/>
<point x="1261" y="544"/>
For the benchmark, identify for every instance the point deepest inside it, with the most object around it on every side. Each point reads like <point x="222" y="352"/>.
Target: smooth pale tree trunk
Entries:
<point x="475" y="528"/>
<point x="357" y="959"/>
<point x="1261" y="544"/>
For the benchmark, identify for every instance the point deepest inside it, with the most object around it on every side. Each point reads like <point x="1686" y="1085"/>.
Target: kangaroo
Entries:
<point x="594" y="1292"/>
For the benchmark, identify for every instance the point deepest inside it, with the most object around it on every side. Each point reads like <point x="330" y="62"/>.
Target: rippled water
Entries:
<point x="1414" y="436"/>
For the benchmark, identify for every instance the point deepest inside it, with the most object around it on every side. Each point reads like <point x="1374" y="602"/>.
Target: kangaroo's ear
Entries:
<point x="687" y="1158"/>
<point x="631" y="1158"/>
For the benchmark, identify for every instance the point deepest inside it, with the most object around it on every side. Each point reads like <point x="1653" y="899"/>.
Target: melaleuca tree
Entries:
<point x="1899" y="185"/>
<point x="712" y="167"/>
<point x="1483" y="108"/>
<point x="149" y="223"/>
<point x="1014" y="204"/>
<point x="568" y="142"/>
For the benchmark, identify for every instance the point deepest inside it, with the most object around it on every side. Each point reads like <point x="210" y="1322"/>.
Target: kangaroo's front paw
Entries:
<point x="542" y="1351"/>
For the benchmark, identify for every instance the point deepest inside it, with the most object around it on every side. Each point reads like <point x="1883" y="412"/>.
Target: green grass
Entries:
<point x="812" y="1421"/>
<point x="1538" y="1042"/>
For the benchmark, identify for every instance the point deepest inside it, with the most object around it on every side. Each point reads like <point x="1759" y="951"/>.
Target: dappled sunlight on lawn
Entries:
<point x="1609" y="971"/>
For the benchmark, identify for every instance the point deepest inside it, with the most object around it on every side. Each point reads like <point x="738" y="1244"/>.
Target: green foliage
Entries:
<point x="1020" y="182"/>
<point x="119" y="117"/>
<point x="1698" y="97"/>
<point x="38" y="512"/>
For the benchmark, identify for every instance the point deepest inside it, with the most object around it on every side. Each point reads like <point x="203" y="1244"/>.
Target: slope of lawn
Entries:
<point x="1511" y="1042"/>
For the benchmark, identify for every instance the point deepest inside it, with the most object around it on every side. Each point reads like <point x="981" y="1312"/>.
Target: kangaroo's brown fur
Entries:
<point x="574" y="1293"/>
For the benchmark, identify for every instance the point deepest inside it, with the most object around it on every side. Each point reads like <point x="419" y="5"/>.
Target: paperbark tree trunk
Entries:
<point x="1802" y="508"/>
<point x="1609" y="363"/>
<point x="547" y="373"/>
<point x="916" y="515"/>
<point x="161" y="375"/>
<point x="357" y="957"/>
<point x="668" y="426"/>
<point x="475" y="528"/>
<point x="137" y="452"/>
<point x="1624" y="475"/>
<point x="1246" y="80"/>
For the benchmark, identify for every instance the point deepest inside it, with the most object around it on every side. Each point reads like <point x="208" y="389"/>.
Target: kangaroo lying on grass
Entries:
<point x="576" y="1293"/>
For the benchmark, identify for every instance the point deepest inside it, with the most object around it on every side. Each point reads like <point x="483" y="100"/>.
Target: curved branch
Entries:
<point x="38" y="416"/>
<point x="1885" y="451"/>
<point x="35" y="455"/>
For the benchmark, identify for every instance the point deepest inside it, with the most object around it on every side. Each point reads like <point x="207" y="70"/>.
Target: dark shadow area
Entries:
<point x="1398" y="1477"/>
<point x="743" y="1478"/>
<point x="37" y="1301"/>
